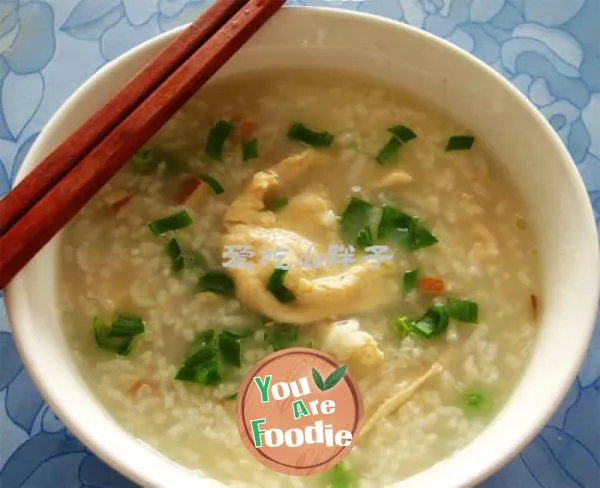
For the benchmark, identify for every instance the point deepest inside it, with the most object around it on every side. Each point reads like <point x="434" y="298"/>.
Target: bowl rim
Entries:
<point x="14" y="296"/>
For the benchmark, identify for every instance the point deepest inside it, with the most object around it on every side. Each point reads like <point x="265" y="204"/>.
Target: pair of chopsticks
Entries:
<point x="53" y="193"/>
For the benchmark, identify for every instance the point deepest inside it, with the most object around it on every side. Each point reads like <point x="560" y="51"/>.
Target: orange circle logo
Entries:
<point x="299" y="411"/>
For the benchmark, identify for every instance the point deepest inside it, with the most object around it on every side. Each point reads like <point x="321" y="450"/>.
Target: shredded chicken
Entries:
<point x="396" y="401"/>
<point x="394" y="179"/>
<point x="320" y="292"/>
<point x="348" y="344"/>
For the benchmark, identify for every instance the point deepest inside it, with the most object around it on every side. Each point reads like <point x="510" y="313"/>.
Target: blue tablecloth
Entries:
<point x="550" y="49"/>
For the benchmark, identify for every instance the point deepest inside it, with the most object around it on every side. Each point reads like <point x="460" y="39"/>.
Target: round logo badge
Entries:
<point x="299" y="411"/>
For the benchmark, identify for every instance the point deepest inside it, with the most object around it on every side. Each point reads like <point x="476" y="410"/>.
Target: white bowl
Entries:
<point x="458" y="84"/>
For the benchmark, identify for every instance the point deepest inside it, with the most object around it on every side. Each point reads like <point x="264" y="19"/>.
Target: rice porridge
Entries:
<point x="304" y="208"/>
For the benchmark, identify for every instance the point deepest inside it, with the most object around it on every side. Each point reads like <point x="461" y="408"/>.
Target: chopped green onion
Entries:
<point x="411" y="280"/>
<point x="217" y="282"/>
<point x="215" y="186"/>
<point x="421" y="237"/>
<point x="396" y="226"/>
<point x="216" y="140"/>
<point x="403" y="326"/>
<point x="244" y="333"/>
<point x="232" y="397"/>
<point x="364" y="238"/>
<point x="230" y="347"/>
<point x="174" y="253"/>
<point x="122" y="348"/>
<point x="281" y="336"/>
<point x="180" y="260"/>
<point x="126" y="348"/>
<point x="193" y="259"/>
<point x="126" y="326"/>
<point x="118" y="338"/>
<point x="404" y="230"/>
<point x="459" y="143"/>
<point x="356" y="218"/>
<point x="207" y="375"/>
<point x="203" y="346"/>
<point x="475" y="402"/>
<point x="433" y="322"/>
<point x="463" y="310"/>
<point x="401" y="135"/>
<point x="276" y="203"/>
<point x="474" y="398"/>
<point x="277" y="288"/>
<point x="299" y="132"/>
<point x="176" y="221"/>
<point x="388" y="151"/>
<point x="339" y="476"/>
<point x="201" y="365"/>
<point x="250" y="149"/>
<point x="144" y="161"/>
<point x="175" y="166"/>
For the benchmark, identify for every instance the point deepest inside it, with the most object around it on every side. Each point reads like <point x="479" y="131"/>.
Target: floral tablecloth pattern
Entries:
<point x="550" y="49"/>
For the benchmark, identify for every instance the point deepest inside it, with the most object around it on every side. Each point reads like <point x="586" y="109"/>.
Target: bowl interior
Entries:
<point x="459" y="85"/>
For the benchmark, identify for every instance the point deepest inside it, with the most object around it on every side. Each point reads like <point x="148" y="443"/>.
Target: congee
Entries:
<point x="304" y="208"/>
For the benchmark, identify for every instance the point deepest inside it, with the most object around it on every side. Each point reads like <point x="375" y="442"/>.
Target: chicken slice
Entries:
<point x="351" y="290"/>
<point x="396" y="178"/>
<point x="310" y="214"/>
<point x="292" y="167"/>
<point x="348" y="344"/>
<point x="249" y="207"/>
<point x="320" y="293"/>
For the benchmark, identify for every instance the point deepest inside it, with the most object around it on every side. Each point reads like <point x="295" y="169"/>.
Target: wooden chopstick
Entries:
<point x="56" y="165"/>
<point x="60" y="204"/>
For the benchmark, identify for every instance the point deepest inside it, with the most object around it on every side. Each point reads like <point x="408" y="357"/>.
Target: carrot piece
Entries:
<point x="246" y="129"/>
<point x="431" y="284"/>
<point x="137" y="385"/>
<point x="535" y="306"/>
<point x="118" y="200"/>
<point x="188" y="188"/>
<point x="121" y="203"/>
